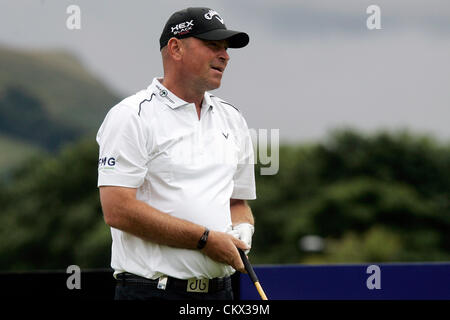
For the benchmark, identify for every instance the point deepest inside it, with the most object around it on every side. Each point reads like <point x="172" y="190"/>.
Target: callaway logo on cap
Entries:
<point x="202" y="23"/>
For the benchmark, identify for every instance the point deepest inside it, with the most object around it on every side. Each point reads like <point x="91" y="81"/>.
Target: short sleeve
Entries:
<point x="123" y="151"/>
<point x="244" y="177"/>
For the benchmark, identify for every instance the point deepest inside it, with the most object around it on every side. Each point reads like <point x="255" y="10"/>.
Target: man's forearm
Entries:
<point x="240" y="212"/>
<point x="142" y="220"/>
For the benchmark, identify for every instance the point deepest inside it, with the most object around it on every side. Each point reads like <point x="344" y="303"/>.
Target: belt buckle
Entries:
<point x="162" y="283"/>
<point x="197" y="285"/>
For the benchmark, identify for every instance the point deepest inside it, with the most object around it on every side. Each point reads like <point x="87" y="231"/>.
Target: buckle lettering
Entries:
<point x="197" y="285"/>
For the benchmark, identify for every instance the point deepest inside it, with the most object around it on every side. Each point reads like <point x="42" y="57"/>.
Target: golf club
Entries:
<point x="252" y="274"/>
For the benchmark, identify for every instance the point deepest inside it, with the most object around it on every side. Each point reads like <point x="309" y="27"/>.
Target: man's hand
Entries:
<point x="221" y="247"/>
<point x="243" y="232"/>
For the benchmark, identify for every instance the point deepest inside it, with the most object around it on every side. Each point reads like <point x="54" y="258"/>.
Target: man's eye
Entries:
<point x="216" y="45"/>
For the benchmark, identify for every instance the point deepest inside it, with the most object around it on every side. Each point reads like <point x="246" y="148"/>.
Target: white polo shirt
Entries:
<point x="180" y="165"/>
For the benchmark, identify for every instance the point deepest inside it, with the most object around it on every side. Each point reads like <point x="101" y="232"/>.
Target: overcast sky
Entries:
<point x="311" y="66"/>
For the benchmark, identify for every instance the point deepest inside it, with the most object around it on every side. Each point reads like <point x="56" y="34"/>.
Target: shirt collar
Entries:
<point x="165" y="95"/>
<point x="170" y="99"/>
<point x="207" y="100"/>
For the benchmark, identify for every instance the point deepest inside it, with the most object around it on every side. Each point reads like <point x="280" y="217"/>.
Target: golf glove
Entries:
<point x="243" y="232"/>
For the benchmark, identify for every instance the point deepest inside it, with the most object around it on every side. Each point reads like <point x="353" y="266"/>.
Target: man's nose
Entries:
<point x="224" y="57"/>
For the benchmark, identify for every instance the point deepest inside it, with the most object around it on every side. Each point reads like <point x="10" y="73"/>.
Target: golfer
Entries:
<point x="175" y="171"/>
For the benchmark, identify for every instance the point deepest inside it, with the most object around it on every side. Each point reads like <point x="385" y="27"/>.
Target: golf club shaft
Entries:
<point x="252" y="274"/>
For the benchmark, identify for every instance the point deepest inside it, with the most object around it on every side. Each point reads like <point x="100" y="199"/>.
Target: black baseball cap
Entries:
<point x="202" y="23"/>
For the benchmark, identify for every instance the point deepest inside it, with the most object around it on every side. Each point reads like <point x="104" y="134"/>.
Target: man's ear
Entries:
<point x="175" y="48"/>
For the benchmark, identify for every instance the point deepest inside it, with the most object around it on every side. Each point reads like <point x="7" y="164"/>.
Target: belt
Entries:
<point x="169" y="283"/>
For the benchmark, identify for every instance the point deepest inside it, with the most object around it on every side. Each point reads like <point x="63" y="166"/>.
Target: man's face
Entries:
<point x="204" y="62"/>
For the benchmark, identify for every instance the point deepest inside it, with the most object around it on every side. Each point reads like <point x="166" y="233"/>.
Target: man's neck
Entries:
<point x="184" y="92"/>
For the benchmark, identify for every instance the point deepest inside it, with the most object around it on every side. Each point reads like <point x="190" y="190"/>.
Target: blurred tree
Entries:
<point x="51" y="213"/>
<point x="342" y="188"/>
<point x="378" y="198"/>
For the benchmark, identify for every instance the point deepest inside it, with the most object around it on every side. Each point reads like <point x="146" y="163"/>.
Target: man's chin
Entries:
<point x="212" y="85"/>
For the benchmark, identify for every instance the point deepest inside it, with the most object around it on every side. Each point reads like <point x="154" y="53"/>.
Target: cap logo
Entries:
<point x="211" y="14"/>
<point x="182" y="28"/>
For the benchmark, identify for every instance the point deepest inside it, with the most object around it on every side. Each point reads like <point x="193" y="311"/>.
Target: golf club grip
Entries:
<point x="248" y="266"/>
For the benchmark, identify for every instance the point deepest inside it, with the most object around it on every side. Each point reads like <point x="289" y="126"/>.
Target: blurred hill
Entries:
<point x="47" y="98"/>
<point x="17" y="150"/>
